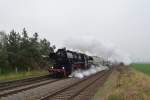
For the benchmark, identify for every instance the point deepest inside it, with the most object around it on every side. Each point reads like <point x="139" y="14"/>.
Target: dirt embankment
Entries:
<point x="125" y="84"/>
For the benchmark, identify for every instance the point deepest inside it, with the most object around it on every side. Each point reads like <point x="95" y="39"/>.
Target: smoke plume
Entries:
<point x="96" y="48"/>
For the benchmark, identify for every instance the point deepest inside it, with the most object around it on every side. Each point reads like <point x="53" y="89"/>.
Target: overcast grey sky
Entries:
<point x="124" y="23"/>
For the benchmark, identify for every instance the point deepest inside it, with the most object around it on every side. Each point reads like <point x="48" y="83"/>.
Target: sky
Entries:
<point x="124" y="23"/>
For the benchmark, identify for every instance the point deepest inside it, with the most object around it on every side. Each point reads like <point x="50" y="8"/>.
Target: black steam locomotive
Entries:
<point x="66" y="61"/>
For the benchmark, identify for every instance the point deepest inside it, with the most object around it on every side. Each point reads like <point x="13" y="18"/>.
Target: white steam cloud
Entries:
<point x="96" y="48"/>
<point x="92" y="70"/>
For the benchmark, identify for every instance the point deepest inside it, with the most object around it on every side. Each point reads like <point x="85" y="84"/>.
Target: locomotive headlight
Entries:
<point x="63" y="68"/>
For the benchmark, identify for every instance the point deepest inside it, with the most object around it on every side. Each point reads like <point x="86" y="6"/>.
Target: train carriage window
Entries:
<point x="69" y="55"/>
<point x="75" y="56"/>
<point x="79" y="57"/>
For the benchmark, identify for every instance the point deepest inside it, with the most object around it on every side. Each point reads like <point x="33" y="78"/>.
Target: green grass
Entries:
<point x="145" y="68"/>
<point x="22" y="75"/>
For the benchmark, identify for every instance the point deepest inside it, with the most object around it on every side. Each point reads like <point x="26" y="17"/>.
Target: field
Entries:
<point x="22" y="75"/>
<point x="145" y="68"/>
<point x="131" y="84"/>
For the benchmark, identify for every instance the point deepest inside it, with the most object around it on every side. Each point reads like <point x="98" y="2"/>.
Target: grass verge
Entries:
<point x="22" y="75"/>
<point x="105" y="90"/>
<point x="145" y="68"/>
<point x="127" y="85"/>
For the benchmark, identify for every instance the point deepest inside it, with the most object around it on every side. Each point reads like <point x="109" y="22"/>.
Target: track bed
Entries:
<point x="58" y="89"/>
<point x="84" y="88"/>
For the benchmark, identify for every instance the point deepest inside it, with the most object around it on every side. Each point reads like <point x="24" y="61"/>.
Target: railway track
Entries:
<point x="60" y="89"/>
<point x="16" y="83"/>
<point x="13" y="87"/>
<point x="74" y="90"/>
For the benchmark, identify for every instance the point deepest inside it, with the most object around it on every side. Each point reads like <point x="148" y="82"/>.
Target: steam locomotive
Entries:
<point x="66" y="61"/>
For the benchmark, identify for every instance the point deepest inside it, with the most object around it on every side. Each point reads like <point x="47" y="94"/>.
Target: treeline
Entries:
<point x="21" y="52"/>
